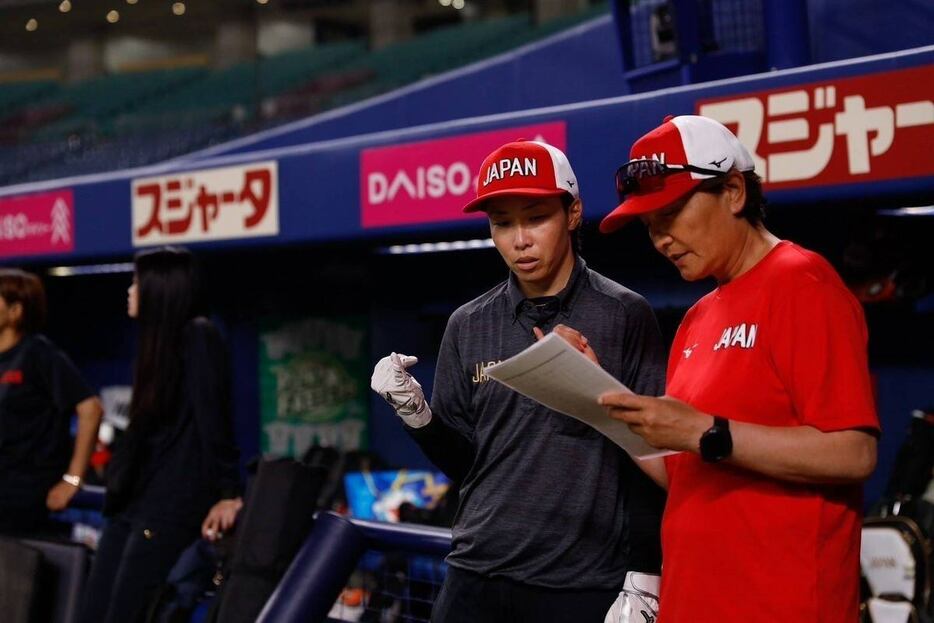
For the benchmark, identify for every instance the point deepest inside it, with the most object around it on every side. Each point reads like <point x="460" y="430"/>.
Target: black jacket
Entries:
<point x="177" y="472"/>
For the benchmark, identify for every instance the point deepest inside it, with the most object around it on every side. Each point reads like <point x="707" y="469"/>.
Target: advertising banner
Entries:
<point x="431" y="181"/>
<point x="212" y="204"/>
<point x="314" y="385"/>
<point x="37" y="224"/>
<point x="873" y="127"/>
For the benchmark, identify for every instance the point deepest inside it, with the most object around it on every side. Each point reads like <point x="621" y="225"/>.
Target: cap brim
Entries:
<point x="676" y="187"/>
<point x="477" y="204"/>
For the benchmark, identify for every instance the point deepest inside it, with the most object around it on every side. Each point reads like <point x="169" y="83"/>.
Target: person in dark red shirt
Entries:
<point x="768" y="398"/>
<point x="40" y="388"/>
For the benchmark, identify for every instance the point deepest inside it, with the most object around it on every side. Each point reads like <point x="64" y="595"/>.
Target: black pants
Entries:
<point x="132" y="561"/>
<point x="24" y="513"/>
<point x="470" y="598"/>
<point x="29" y="522"/>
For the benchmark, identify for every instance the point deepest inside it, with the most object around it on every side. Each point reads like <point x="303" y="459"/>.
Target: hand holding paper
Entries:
<point x="562" y="378"/>
<point x="664" y="422"/>
<point x="574" y="337"/>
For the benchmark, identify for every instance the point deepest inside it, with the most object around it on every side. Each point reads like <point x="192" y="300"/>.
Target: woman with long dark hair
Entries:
<point x="177" y="458"/>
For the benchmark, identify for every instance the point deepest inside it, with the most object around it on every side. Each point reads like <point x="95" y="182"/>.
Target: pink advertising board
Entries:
<point x="37" y="224"/>
<point x="431" y="181"/>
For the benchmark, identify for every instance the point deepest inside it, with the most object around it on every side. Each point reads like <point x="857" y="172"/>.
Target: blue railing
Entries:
<point x="89" y="497"/>
<point x="332" y="552"/>
<point x="329" y="556"/>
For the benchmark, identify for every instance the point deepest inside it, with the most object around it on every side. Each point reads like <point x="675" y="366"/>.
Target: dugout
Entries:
<point x="308" y="224"/>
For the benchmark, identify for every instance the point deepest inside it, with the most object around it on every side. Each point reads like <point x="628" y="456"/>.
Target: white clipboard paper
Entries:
<point x="562" y="378"/>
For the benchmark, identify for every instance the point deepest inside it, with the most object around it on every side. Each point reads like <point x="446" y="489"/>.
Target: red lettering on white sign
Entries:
<point x="214" y="204"/>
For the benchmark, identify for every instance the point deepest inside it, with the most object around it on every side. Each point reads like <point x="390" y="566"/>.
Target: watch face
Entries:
<point x="716" y="444"/>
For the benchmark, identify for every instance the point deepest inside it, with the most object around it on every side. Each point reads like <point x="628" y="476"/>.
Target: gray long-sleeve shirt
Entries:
<point x="545" y="499"/>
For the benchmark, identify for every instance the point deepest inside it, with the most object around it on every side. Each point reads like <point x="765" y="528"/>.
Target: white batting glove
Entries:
<point x="638" y="601"/>
<point x="400" y="389"/>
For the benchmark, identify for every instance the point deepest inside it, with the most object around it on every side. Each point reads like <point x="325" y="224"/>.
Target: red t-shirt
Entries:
<point x="784" y="344"/>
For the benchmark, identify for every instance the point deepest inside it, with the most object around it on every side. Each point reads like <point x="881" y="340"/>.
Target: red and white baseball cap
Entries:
<point x="690" y="140"/>
<point x="526" y="169"/>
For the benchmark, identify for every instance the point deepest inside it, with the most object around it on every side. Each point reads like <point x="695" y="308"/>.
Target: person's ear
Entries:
<point x="575" y="214"/>
<point x="734" y="191"/>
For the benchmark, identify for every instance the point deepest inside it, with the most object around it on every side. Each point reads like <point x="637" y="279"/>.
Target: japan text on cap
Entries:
<point x="527" y="169"/>
<point x="699" y="142"/>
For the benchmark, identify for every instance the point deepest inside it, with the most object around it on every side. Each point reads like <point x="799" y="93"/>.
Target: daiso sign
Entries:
<point x="431" y="181"/>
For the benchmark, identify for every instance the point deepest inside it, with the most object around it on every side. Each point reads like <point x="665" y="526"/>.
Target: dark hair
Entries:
<point x="567" y="200"/>
<point x="167" y="300"/>
<point x="18" y="286"/>
<point x="754" y="208"/>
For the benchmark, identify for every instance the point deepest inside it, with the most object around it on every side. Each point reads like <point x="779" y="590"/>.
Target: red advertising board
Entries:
<point x="842" y="131"/>
<point x="37" y="224"/>
<point x="431" y="181"/>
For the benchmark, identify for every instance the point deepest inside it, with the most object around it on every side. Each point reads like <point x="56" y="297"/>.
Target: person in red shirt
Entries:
<point x="768" y="402"/>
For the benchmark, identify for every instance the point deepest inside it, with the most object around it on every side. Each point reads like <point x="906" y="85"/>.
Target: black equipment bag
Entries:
<point x="277" y="515"/>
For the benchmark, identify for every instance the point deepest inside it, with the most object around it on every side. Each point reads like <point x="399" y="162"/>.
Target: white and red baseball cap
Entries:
<point x="698" y="142"/>
<point x="526" y="169"/>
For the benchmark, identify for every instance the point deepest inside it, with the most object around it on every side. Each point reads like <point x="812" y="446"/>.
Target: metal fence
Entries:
<point x="722" y="26"/>
<point x="391" y="587"/>
<point x="354" y="570"/>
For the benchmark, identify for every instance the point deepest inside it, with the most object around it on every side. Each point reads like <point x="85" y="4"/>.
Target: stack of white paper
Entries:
<point x="554" y="373"/>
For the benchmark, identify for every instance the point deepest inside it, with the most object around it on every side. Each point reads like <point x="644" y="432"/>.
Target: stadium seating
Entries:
<point x="123" y="120"/>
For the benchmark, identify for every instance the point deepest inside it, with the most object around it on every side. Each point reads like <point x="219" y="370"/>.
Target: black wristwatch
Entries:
<point x="716" y="443"/>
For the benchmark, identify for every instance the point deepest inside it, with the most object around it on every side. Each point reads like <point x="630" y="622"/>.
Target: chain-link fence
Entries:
<point x="391" y="588"/>
<point x="722" y="26"/>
